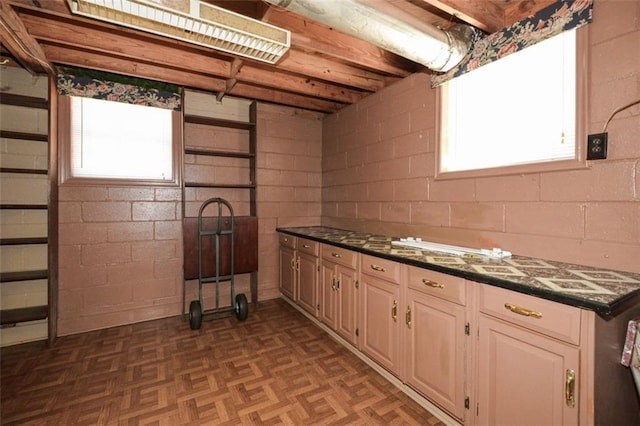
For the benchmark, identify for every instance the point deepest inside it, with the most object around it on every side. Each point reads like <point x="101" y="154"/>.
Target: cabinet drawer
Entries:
<point x="288" y="241"/>
<point x="308" y="246"/>
<point x="382" y="268"/>
<point x="339" y="255"/>
<point x="440" y="285"/>
<point x="544" y="316"/>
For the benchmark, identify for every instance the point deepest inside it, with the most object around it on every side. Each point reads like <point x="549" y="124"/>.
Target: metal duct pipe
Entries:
<point x="432" y="47"/>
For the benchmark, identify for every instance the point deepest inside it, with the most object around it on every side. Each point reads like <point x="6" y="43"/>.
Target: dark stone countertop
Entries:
<point x="606" y="292"/>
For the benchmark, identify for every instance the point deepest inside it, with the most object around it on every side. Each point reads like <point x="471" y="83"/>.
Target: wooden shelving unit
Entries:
<point x="14" y="316"/>
<point x="246" y="224"/>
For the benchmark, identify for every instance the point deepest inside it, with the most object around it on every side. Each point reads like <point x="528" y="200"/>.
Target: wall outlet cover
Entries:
<point x="597" y="146"/>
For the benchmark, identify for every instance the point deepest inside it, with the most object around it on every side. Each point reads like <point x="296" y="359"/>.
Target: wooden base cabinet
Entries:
<point x="381" y="312"/>
<point x="299" y="269"/>
<point x="528" y="361"/>
<point x="483" y="354"/>
<point x="338" y="302"/>
<point x="435" y="320"/>
<point x="525" y="378"/>
<point x="308" y="268"/>
<point x="287" y="266"/>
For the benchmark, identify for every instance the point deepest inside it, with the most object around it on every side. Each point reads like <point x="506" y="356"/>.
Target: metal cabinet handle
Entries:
<point x="522" y="311"/>
<point x="570" y="388"/>
<point x="298" y="264"/>
<point x="293" y="263"/>
<point x="432" y="283"/>
<point x="337" y="283"/>
<point x="407" y="317"/>
<point x="306" y="245"/>
<point x="334" y="254"/>
<point x="377" y="268"/>
<point x="394" y="311"/>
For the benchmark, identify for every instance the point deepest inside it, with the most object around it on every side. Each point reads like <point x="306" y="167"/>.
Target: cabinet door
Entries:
<point x="308" y="283"/>
<point x="524" y="377"/>
<point x="329" y="295"/>
<point x="347" y="307"/>
<point x="436" y="339"/>
<point x="381" y="321"/>
<point x="287" y="271"/>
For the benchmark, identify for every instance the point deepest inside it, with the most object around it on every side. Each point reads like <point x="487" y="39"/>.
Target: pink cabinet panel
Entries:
<point x="381" y="321"/>
<point x="525" y="377"/>
<point x="436" y="350"/>
<point x="307" y="294"/>
<point x="287" y="266"/>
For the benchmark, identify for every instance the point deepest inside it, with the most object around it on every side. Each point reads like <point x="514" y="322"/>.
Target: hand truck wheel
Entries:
<point x="242" y="307"/>
<point x="195" y="314"/>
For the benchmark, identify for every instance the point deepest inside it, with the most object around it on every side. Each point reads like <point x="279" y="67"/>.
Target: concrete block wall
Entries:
<point x="379" y="167"/>
<point x="120" y="256"/>
<point x="289" y="178"/>
<point x="121" y="247"/>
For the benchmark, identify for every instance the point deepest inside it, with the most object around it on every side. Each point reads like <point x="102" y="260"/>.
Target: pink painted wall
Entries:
<point x="379" y="162"/>
<point x="121" y="247"/>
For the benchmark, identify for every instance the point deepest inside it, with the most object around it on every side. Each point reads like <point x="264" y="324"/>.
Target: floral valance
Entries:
<point x="552" y="20"/>
<point x="118" y="88"/>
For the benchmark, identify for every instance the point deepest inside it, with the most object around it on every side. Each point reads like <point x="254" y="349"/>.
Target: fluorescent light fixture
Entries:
<point x="200" y="23"/>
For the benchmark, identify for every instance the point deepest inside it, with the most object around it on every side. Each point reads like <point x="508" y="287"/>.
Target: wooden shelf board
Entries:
<point x="220" y="122"/>
<point x="23" y="207"/>
<point x="23" y="171"/>
<point x="219" y="185"/>
<point x="37" y="137"/>
<point x="16" y="315"/>
<point x="213" y="153"/>
<point x="24" y="101"/>
<point x="23" y="241"/>
<point x="6" y="277"/>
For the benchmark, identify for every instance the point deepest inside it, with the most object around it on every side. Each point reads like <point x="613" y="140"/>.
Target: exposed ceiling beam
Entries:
<point x="519" y="10"/>
<point x="80" y="33"/>
<point x="120" y="65"/>
<point x="20" y="43"/>
<point x="292" y="99"/>
<point x="482" y="14"/>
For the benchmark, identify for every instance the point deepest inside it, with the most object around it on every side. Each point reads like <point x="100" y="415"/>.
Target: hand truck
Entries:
<point x="239" y="304"/>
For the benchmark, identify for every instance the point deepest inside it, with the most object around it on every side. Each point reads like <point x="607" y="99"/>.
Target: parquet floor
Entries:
<point x="276" y="367"/>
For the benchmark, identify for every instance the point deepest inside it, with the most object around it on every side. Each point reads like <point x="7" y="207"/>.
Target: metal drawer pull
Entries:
<point x="407" y="317"/>
<point x="306" y="245"/>
<point x="570" y="388"/>
<point x="334" y="254"/>
<point x="377" y="268"/>
<point x="522" y="311"/>
<point x="394" y="311"/>
<point x="432" y="283"/>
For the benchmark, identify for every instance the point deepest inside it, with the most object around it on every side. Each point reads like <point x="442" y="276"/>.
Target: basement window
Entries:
<point x="520" y="113"/>
<point x="114" y="142"/>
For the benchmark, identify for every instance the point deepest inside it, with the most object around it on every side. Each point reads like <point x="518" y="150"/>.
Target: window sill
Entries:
<point x="520" y="169"/>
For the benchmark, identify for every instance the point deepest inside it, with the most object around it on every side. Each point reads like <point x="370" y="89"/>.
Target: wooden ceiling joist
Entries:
<point x="324" y="70"/>
<point x="17" y="40"/>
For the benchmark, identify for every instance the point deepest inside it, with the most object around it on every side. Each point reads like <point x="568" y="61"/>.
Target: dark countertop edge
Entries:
<point x="606" y="310"/>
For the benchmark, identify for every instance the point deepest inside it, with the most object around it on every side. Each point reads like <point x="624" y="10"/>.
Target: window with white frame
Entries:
<point x="519" y="110"/>
<point x="117" y="141"/>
